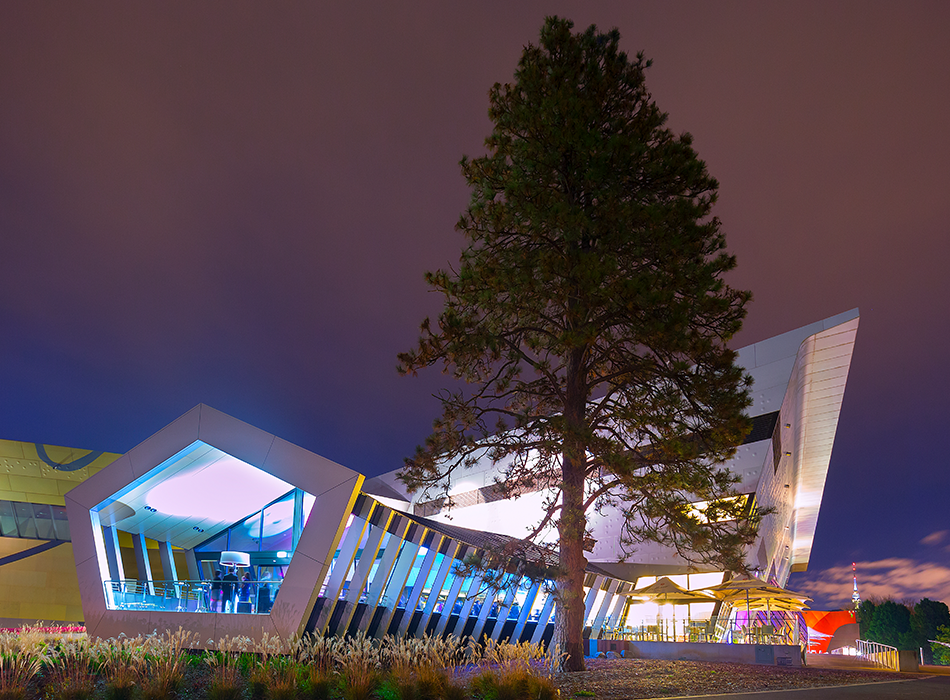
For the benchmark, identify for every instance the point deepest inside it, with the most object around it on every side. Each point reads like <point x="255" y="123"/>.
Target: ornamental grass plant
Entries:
<point x="121" y="661"/>
<point x="161" y="666"/>
<point x="359" y="663"/>
<point x="166" y="659"/>
<point x="68" y="670"/>
<point x="227" y="682"/>
<point x="515" y="671"/>
<point x="17" y="671"/>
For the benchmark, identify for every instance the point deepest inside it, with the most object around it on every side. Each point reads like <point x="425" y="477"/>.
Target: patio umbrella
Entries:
<point x="769" y="603"/>
<point x="753" y="589"/>
<point x="666" y="591"/>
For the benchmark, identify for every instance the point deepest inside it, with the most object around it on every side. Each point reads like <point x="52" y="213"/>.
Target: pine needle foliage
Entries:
<point x="588" y="318"/>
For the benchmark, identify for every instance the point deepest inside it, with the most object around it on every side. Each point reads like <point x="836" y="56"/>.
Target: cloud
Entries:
<point x="935" y="538"/>
<point x="895" y="578"/>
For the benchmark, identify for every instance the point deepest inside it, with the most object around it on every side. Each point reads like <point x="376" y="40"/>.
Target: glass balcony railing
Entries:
<point x="242" y="597"/>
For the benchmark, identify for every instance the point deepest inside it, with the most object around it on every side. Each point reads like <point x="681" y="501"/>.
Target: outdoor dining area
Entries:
<point x="743" y="610"/>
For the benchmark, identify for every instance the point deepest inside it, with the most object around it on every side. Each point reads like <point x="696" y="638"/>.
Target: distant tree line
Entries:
<point x="908" y="627"/>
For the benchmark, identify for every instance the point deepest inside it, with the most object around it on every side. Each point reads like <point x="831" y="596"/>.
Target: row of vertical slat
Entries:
<point x="378" y="569"/>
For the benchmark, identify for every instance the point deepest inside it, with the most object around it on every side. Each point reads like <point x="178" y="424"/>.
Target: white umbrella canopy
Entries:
<point x="756" y="602"/>
<point x="758" y="594"/>
<point x="666" y="591"/>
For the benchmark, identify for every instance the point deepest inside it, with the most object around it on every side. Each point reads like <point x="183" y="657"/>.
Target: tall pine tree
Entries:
<point x="589" y="316"/>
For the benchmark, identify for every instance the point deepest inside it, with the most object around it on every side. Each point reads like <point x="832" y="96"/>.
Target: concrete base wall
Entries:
<point x="772" y="655"/>
<point x="907" y="662"/>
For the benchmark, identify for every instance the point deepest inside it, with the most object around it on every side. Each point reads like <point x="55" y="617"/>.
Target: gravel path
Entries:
<point x="620" y="679"/>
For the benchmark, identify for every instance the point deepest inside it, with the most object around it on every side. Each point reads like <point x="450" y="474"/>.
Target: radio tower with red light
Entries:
<point x="855" y="598"/>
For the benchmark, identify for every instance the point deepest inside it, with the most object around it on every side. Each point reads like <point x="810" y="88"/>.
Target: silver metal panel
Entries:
<point x="318" y="541"/>
<point x="504" y="610"/>
<point x="244" y="441"/>
<point x="110" y="538"/>
<point x="471" y="595"/>
<point x="365" y="564"/>
<point x="392" y="593"/>
<point x="529" y="599"/>
<point x="169" y="570"/>
<point x="101" y="485"/>
<point x="487" y="603"/>
<point x="824" y="360"/>
<point x="543" y="618"/>
<point x="451" y="597"/>
<point x="601" y="614"/>
<point x="385" y="568"/>
<point x="620" y="601"/>
<point x="302" y="468"/>
<point x="451" y="548"/>
<point x="349" y="545"/>
<point x="141" y="561"/>
<point x="420" y="583"/>
<point x="92" y="593"/>
<point x="194" y="571"/>
<point x="165" y="443"/>
<point x="592" y="596"/>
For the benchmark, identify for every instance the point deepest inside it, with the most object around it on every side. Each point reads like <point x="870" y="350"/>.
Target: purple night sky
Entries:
<point x="234" y="203"/>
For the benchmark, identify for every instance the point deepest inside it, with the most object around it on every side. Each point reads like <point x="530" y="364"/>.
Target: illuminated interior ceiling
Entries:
<point x="192" y="496"/>
<point x="823" y="363"/>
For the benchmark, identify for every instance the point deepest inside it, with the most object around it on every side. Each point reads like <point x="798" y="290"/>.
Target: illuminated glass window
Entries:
<point x="724" y="509"/>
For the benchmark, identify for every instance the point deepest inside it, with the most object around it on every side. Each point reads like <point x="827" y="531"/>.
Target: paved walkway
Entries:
<point x="929" y="688"/>
<point x="847" y="663"/>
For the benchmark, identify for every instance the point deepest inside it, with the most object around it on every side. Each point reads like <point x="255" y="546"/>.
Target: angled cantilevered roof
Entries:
<point x="804" y="373"/>
<point x="825" y="359"/>
<point x="252" y="461"/>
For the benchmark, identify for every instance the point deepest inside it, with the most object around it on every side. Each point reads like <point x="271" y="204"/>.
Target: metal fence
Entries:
<point x="878" y="654"/>
<point x="772" y="628"/>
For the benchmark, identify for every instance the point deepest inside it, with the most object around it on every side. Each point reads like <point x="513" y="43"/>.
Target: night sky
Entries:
<point x="234" y="204"/>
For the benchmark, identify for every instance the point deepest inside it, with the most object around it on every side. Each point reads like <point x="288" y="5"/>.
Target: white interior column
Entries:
<point x="110" y="538"/>
<point x="142" y="562"/>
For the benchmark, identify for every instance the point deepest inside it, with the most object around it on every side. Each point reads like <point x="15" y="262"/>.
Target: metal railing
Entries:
<point x="776" y="628"/>
<point x="878" y="654"/>
<point x="253" y="597"/>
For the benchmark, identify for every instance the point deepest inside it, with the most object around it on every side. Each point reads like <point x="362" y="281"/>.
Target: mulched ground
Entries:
<point x="620" y="679"/>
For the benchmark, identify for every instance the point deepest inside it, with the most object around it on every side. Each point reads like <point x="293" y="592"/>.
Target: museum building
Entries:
<point x="221" y="528"/>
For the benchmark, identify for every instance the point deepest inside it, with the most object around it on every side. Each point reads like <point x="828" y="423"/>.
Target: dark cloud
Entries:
<point x="895" y="578"/>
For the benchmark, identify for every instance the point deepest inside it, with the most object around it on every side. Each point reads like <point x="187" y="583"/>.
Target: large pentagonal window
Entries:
<point x="209" y="515"/>
<point x="228" y="526"/>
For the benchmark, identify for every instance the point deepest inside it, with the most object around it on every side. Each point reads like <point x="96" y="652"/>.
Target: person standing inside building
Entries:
<point x="263" y="592"/>
<point x="216" y="591"/>
<point x="244" y="595"/>
<point x="228" y="586"/>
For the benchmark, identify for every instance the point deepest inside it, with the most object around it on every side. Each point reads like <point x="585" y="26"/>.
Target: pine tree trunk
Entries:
<point x="569" y="614"/>
<point x="572" y="526"/>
